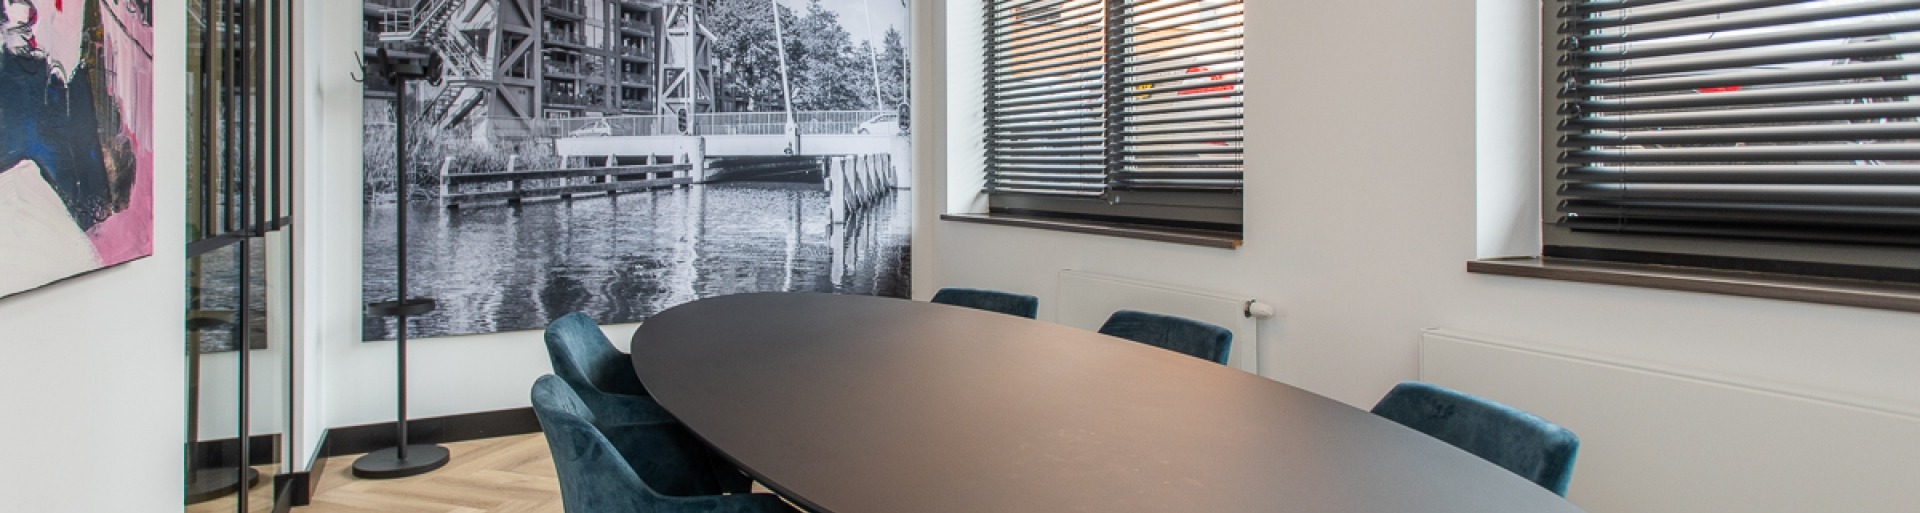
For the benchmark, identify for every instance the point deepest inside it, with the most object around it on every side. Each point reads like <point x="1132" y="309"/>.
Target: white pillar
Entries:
<point x="866" y="180"/>
<point x="446" y="167"/>
<point x="699" y="172"/>
<point x="837" y="189"/>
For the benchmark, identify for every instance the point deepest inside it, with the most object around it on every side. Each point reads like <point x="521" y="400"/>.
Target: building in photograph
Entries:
<point x="515" y="63"/>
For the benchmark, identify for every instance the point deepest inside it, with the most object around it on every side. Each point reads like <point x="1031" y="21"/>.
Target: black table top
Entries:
<point x="853" y="404"/>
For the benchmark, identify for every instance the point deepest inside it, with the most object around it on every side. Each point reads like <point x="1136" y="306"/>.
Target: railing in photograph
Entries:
<point x="636" y="26"/>
<point x="635" y="51"/>
<point x="611" y="126"/>
<point x="553" y="67"/>
<point x="560" y="183"/>
<point x="574" y="7"/>
<point x="845" y="122"/>
<point x="874" y="122"/>
<point x="740" y="123"/>
<point x="553" y="36"/>
<point x="396" y="19"/>
<point x="403" y="21"/>
<point x="465" y="59"/>
<point x="641" y="4"/>
<point x="566" y="98"/>
<point x="775" y="123"/>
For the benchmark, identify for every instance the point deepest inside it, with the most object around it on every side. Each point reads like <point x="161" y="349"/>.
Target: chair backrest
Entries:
<point x="1009" y="303"/>
<point x="1535" y="449"/>
<point x="584" y="357"/>
<point x="594" y="478"/>
<point x="1179" y="334"/>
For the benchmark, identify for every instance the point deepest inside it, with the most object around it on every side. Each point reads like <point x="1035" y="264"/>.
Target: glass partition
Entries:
<point x="240" y="297"/>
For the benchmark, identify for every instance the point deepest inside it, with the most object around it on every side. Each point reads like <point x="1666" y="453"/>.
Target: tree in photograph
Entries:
<point x="896" y="71"/>
<point x="828" y="72"/>
<point x="743" y="43"/>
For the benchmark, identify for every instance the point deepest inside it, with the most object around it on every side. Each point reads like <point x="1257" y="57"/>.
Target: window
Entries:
<point x="1116" y="110"/>
<point x="1778" y="136"/>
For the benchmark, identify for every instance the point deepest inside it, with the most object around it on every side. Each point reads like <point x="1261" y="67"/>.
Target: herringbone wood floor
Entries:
<point x="511" y="474"/>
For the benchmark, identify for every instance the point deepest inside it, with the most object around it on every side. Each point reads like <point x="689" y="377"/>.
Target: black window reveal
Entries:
<point x="1766" y="135"/>
<point x="1118" y="110"/>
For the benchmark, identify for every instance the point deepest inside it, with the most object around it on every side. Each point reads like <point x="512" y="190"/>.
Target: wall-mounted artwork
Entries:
<point x="76" y="125"/>
<point x="619" y="158"/>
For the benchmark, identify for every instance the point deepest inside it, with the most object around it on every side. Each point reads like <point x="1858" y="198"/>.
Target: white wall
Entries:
<point x="1362" y="210"/>
<point x="1364" y="203"/>
<point x="352" y="382"/>
<point x="95" y="367"/>
<point x="309" y="276"/>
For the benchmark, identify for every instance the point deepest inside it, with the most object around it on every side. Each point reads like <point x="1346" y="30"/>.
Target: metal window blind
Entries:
<point x="1742" y="119"/>
<point x="1089" y="97"/>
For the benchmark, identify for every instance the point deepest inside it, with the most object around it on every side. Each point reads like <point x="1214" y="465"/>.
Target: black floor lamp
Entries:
<point x="403" y="459"/>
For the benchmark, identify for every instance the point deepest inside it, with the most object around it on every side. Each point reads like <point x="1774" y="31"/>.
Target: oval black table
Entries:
<point x="852" y="404"/>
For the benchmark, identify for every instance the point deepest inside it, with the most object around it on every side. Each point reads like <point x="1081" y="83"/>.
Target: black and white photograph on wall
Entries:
<point x="621" y="157"/>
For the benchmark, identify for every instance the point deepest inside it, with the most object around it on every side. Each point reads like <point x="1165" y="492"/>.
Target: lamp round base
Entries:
<point x="213" y="483"/>
<point x="386" y="463"/>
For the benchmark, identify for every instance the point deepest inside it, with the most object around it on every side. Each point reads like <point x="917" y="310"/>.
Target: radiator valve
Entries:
<point x="1258" y="310"/>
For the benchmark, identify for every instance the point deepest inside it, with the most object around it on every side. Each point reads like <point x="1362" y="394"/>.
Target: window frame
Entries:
<point x="1218" y="212"/>
<point x="1789" y="259"/>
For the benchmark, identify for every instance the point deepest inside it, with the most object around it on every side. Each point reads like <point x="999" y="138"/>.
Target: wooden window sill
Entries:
<point x="1903" y="297"/>
<point x="1211" y="239"/>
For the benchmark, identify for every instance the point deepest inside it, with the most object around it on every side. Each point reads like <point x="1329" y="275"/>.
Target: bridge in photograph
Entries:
<point x="731" y="134"/>
<point x="857" y="156"/>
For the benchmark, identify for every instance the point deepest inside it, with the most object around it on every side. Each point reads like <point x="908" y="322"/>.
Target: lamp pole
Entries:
<point x="404" y="458"/>
<point x="873" y="56"/>
<point x="786" y="85"/>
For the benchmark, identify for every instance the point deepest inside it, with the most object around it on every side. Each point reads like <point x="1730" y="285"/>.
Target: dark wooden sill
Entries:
<point x="1211" y="239"/>
<point x="1903" y="297"/>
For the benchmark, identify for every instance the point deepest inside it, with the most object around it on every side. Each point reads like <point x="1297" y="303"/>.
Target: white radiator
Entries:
<point x="1086" y="299"/>
<point x="1656" y="440"/>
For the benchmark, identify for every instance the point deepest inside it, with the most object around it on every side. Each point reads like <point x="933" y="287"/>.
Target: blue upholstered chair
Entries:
<point x="1178" y="334"/>
<point x="584" y="358"/>
<point x="603" y="379"/>
<point x="659" y="472"/>
<point x="1019" y="305"/>
<point x="1518" y="441"/>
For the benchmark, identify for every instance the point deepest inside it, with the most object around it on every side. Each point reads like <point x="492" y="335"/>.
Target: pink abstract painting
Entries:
<point x="76" y="128"/>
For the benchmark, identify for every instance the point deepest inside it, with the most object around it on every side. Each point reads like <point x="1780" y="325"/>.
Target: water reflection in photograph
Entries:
<point x="624" y="257"/>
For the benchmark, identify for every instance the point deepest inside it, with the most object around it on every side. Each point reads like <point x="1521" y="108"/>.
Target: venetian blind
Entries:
<point x="1093" y="99"/>
<point x="1738" y="119"/>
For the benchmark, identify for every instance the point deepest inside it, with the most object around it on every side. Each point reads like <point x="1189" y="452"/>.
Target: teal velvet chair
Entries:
<point x="1178" y="334"/>
<point x="660" y="471"/>
<point x="1019" y="305"/>
<point x="603" y="376"/>
<point x="603" y="379"/>
<point x="1518" y="441"/>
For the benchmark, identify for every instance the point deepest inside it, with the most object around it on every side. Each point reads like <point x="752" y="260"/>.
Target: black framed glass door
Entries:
<point x="240" y="255"/>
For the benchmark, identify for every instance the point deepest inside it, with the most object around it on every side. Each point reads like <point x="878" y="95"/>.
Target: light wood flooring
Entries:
<point x="511" y="474"/>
